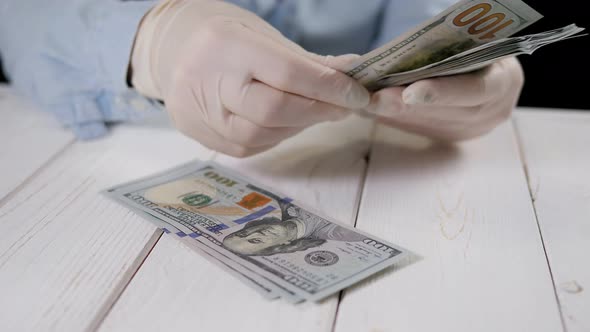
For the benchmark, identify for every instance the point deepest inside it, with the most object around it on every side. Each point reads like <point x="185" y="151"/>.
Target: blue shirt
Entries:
<point x="71" y="56"/>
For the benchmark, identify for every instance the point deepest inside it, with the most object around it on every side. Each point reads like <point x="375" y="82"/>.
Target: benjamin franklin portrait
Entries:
<point x="298" y="231"/>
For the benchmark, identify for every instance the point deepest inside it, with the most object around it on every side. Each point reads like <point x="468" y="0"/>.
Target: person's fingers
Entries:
<point x="340" y="62"/>
<point x="211" y="139"/>
<point x="222" y="130"/>
<point x="229" y="126"/>
<point x="470" y="89"/>
<point x="269" y="107"/>
<point x="241" y="131"/>
<point x="283" y="69"/>
<point x="437" y="129"/>
<point x="449" y="123"/>
<point x="442" y="116"/>
<point x="387" y="102"/>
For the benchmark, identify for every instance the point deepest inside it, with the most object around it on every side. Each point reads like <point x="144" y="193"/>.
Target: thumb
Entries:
<point x="341" y="62"/>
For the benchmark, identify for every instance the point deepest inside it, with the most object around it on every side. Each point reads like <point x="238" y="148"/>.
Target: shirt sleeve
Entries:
<point x="71" y="57"/>
<point x="325" y="27"/>
<point x="399" y="16"/>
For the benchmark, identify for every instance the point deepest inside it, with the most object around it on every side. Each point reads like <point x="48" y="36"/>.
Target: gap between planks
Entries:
<point x="35" y="174"/>
<point x="124" y="283"/>
<point x="532" y="193"/>
<point x="359" y="199"/>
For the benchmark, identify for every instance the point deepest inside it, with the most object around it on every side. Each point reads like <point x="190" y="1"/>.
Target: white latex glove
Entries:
<point x="232" y="81"/>
<point x="453" y="108"/>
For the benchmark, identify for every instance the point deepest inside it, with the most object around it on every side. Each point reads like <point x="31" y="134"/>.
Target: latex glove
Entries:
<point x="455" y="107"/>
<point x="232" y="81"/>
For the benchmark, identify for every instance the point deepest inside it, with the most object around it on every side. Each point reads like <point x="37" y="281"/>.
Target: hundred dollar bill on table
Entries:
<point x="264" y="235"/>
<point x="266" y="288"/>
<point x="262" y="285"/>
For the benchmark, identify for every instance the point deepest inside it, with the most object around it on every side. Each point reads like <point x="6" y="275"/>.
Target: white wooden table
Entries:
<point x="501" y="226"/>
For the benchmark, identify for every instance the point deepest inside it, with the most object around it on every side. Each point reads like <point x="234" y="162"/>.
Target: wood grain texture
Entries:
<point x="66" y="252"/>
<point x="467" y="214"/>
<point x="556" y="149"/>
<point x="178" y="290"/>
<point x="28" y="139"/>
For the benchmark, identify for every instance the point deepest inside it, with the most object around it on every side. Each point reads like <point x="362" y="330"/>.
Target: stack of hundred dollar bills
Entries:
<point x="465" y="37"/>
<point x="264" y="238"/>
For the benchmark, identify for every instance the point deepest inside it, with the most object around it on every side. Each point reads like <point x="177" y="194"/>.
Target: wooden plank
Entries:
<point x="29" y="138"/>
<point x="66" y="252"/>
<point x="556" y="149"/>
<point x="177" y="289"/>
<point x="467" y="214"/>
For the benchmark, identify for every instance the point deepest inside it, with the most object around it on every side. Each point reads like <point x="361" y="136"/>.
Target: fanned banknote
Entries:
<point x="451" y="43"/>
<point x="478" y="57"/>
<point x="263" y="237"/>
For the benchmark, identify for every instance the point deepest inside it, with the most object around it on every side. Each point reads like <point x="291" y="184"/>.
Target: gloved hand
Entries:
<point x="232" y="81"/>
<point x="452" y="108"/>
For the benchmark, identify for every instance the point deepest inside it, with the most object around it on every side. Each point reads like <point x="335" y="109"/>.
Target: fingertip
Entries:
<point x="387" y="103"/>
<point x="358" y="96"/>
<point x="340" y="62"/>
<point x="418" y="93"/>
<point x="344" y="92"/>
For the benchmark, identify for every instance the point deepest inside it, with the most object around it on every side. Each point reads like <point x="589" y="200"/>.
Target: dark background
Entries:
<point x="2" y="78"/>
<point x="557" y="75"/>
